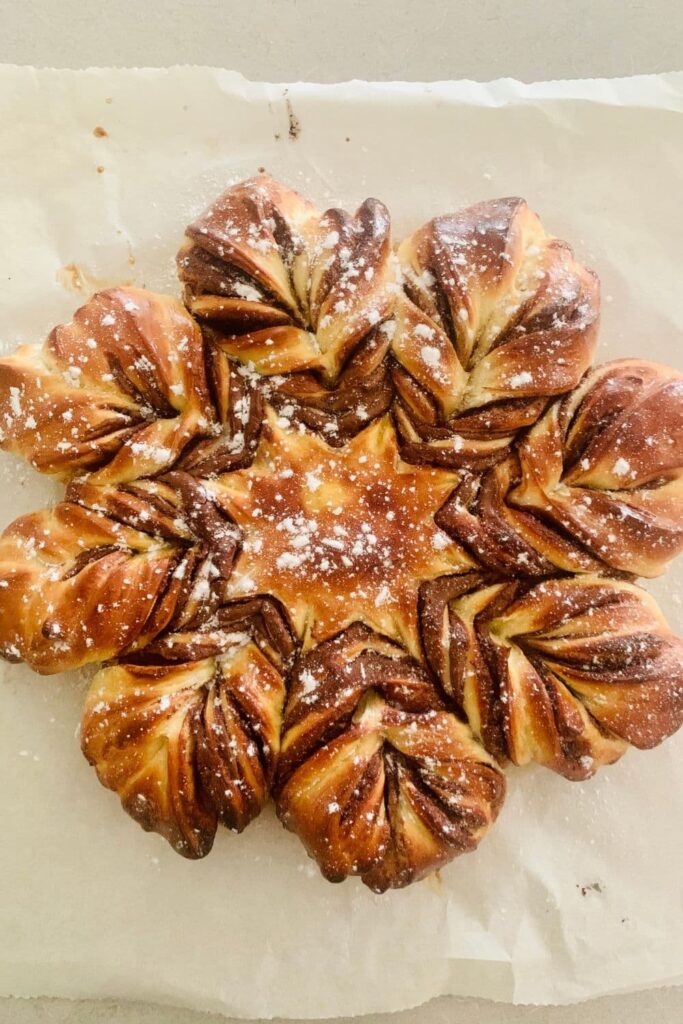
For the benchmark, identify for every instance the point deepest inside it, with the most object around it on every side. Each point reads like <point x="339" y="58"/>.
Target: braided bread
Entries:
<point x="105" y="572"/>
<point x="319" y="524"/>
<point x="77" y="586"/>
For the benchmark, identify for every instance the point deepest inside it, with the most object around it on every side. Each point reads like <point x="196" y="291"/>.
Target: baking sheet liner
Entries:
<point x="577" y="890"/>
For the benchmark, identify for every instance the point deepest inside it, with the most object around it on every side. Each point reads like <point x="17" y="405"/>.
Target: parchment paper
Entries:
<point x="577" y="890"/>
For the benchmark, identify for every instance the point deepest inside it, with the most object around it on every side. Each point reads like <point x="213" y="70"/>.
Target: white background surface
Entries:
<point x="328" y="40"/>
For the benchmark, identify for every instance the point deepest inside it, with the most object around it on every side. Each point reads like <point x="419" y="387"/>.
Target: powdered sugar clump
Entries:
<point x="519" y="380"/>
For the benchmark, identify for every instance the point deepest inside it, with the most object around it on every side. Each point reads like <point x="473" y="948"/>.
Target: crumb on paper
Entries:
<point x="294" y="122"/>
<point x="434" y="880"/>
<point x="99" y="132"/>
<point x="589" y="887"/>
<point x="71" y="277"/>
<point x="99" y="169"/>
<point x="75" y="278"/>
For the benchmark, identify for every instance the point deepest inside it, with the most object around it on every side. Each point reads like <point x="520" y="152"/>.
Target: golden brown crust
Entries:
<point x="338" y="534"/>
<point x="595" y="486"/>
<point x="566" y="672"/>
<point x="188" y="743"/>
<point x="109" y="570"/>
<point x="289" y="288"/>
<point x="498" y="318"/>
<point x="76" y="586"/>
<point x="119" y="391"/>
<point x="375" y="776"/>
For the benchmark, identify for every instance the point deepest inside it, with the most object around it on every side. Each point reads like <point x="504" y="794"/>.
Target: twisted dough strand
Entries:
<point x="375" y="775"/>
<point x="119" y="392"/>
<point x="595" y="486"/>
<point x="188" y="734"/>
<point x="566" y="672"/>
<point x="107" y="571"/>
<point x="288" y="288"/>
<point x="498" y="317"/>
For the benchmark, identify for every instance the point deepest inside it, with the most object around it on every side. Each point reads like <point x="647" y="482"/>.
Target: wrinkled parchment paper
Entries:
<point x="577" y="890"/>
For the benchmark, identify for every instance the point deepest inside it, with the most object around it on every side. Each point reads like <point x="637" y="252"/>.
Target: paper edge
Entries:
<point x="210" y="1007"/>
<point x="503" y="89"/>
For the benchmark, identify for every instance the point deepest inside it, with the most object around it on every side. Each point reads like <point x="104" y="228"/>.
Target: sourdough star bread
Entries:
<point x="351" y="527"/>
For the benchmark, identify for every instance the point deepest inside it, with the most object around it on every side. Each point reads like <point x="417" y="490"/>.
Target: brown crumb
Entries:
<point x="591" y="887"/>
<point x="261" y="170"/>
<point x="99" y="132"/>
<point x="434" y="880"/>
<point x="71" y="277"/>
<point x="294" y="122"/>
<point x="108" y="99"/>
<point x="99" y="168"/>
<point x="348" y="138"/>
<point x="75" y="278"/>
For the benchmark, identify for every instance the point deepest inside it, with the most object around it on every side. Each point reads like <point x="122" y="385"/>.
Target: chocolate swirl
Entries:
<point x="119" y="392"/>
<point x="497" y="318"/>
<point x="376" y="777"/>
<point x="287" y="290"/>
<point x="191" y="738"/>
<point x="595" y="486"/>
<point x="106" y="572"/>
<point x="566" y="672"/>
